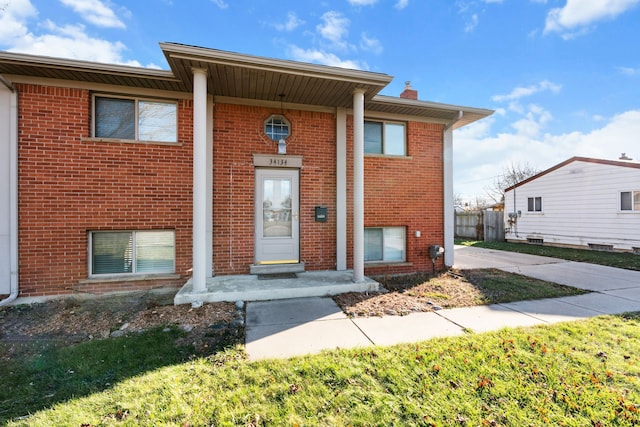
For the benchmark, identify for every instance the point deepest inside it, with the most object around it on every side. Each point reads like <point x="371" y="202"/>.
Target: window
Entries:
<point x="277" y="127"/>
<point x="630" y="201"/>
<point x="135" y="119"/>
<point x="534" y="204"/>
<point x="384" y="244"/>
<point x="384" y="138"/>
<point x="131" y="252"/>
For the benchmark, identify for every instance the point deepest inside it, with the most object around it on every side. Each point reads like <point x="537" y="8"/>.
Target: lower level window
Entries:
<point x="132" y="252"/>
<point x="384" y="244"/>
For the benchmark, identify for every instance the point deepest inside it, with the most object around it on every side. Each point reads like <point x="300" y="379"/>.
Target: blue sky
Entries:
<point x="562" y="75"/>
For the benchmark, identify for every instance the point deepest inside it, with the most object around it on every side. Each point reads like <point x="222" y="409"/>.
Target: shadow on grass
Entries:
<point x="57" y="374"/>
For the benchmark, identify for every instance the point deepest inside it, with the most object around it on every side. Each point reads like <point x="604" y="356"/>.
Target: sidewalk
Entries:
<point x="285" y="328"/>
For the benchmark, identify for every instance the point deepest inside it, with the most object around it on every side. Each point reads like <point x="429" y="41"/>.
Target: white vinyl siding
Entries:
<point x="384" y="244"/>
<point x="581" y="205"/>
<point x="135" y="119"/>
<point x="131" y="252"/>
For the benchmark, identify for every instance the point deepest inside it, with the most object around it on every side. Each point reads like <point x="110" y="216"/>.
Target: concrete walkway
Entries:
<point x="285" y="328"/>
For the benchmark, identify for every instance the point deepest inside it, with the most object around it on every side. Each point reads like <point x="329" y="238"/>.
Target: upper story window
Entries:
<point x="384" y="138"/>
<point x="135" y="119"/>
<point x="534" y="204"/>
<point x="277" y="127"/>
<point x="630" y="201"/>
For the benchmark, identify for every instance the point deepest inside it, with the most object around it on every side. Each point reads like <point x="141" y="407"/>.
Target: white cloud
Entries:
<point x="628" y="71"/>
<point x="95" y="12"/>
<point x="479" y="156"/>
<point x="401" y="4"/>
<point x="334" y="28"/>
<point x="324" y="58"/>
<point x="370" y="44"/>
<point x="220" y="3"/>
<point x="291" y="24"/>
<point x="472" y="23"/>
<point x="71" y="41"/>
<point x="521" y="92"/>
<point x="13" y="20"/>
<point x="572" y="19"/>
<point x="363" y="2"/>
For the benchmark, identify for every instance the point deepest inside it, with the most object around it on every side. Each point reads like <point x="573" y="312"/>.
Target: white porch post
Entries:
<point x="449" y="218"/>
<point x="341" y="189"/>
<point x="358" y="185"/>
<point x="199" y="276"/>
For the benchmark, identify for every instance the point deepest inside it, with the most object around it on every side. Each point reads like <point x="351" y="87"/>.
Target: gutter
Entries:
<point x="13" y="193"/>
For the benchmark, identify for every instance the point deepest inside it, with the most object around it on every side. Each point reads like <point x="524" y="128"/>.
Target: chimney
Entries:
<point x="624" y="157"/>
<point x="409" y="93"/>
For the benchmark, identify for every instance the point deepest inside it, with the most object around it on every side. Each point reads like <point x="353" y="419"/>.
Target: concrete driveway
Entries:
<point x="592" y="277"/>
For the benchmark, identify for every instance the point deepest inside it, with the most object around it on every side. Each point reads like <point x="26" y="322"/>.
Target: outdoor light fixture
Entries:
<point x="282" y="146"/>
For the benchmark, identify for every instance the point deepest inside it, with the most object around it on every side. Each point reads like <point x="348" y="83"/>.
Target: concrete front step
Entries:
<point x="276" y="268"/>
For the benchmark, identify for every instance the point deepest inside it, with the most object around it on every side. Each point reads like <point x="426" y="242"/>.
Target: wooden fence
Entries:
<point x="480" y="225"/>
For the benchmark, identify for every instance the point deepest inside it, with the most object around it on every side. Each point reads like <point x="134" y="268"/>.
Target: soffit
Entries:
<point x="84" y="71"/>
<point x="431" y="110"/>
<point x="258" y="78"/>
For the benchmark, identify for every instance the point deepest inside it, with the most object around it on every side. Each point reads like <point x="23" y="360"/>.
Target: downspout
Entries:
<point x="449" y="217"/>
<point x="13" y="193"/>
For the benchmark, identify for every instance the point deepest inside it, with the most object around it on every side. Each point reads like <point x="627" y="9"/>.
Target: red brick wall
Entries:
<point x="405" y="192"/>
<point x="238" y="134"/>
<point x="69" y="185"/>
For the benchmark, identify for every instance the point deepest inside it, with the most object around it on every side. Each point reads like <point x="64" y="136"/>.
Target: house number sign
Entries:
<point x="277" y="161"/>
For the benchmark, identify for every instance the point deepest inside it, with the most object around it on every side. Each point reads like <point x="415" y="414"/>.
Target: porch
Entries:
<point x="257" y="287"/>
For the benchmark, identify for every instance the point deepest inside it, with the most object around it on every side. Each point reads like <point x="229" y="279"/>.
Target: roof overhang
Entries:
<point x="239" y="76"/>
<point x="454" y="115"/>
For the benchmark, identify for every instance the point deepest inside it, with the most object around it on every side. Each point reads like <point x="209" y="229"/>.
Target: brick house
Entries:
<point x="227" y="165"/>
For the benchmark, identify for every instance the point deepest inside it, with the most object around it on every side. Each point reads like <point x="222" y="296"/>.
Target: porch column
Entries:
<point x="449" y="215"/>
<point x="341" y="189"/>
<point x="358" y="185"/>
<point x="199" y="275"/>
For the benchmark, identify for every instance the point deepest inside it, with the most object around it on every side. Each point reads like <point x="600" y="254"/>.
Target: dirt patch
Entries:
<point x="72" y="320"/>
<point x="406" y="294"/>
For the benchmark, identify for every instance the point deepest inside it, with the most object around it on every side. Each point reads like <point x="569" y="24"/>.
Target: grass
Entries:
<point x="624" y="260"/>
<point x="584" y="373"/>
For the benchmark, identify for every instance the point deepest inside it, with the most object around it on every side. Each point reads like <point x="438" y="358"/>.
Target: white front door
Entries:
<point x="277" y="216"/>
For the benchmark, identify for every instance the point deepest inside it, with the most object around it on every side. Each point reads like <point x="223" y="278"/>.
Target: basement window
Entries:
<point x="135" y="119"/>
<point x="131" y="252"/>
<point x="384" y="244"/>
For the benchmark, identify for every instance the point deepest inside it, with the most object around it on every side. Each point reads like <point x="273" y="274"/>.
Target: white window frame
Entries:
<point x="634" y="194"/>
<point x="272" y="135"/>
<point x="384" y="124"/>
<point x="534" y="210"/>
<point x="134" y="271"/>
<point x="136" y="119"/>
<point x="384" y="257"/>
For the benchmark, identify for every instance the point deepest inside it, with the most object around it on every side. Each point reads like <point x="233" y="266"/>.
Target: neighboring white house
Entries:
<point x="581" y="202"/>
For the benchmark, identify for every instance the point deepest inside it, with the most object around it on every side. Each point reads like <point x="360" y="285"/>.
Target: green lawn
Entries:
<point x="625" y="260"/>
<point x="584" y="373"/>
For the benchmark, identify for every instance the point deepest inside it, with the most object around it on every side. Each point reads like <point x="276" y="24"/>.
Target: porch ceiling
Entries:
<point x="251" y="77"/>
